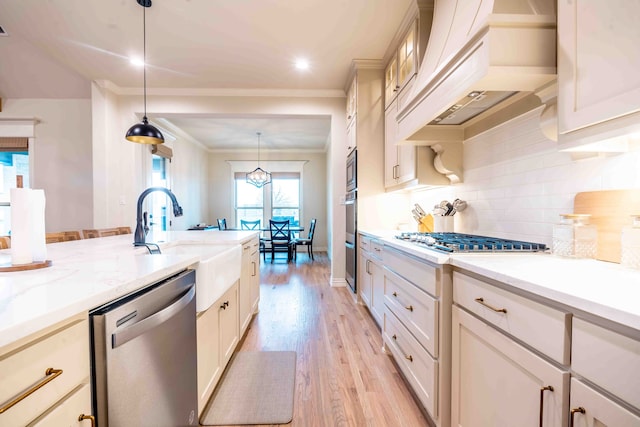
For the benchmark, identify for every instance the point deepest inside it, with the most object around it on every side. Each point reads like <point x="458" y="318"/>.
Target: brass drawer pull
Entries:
<point x="409" y="358"/>
<point x="409" y="307"/>
<point x="83" y="417"/>
<point x="497" y="310"/>
<point x="573" y="412"/>
<point x="50" y="375"/>
<point x="542" y="390"/>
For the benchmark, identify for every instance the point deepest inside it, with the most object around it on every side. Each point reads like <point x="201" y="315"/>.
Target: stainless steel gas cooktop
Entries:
<point x="458" y="242"/>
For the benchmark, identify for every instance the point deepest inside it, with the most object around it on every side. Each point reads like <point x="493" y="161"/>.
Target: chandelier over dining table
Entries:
<point x="259" y="177"/>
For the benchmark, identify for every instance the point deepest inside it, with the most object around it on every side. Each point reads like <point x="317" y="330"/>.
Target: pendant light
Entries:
<point x="144" y="133"/>
<point x="258" y="176"/>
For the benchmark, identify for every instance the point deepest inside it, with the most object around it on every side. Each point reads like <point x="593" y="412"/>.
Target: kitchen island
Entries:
<point x="44" y="332"/>
<point x="90" y="272"/>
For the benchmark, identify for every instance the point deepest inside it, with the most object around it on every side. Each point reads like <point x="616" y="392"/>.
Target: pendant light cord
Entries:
<point x="258" y="149"/>
<point x="144" y="58"/>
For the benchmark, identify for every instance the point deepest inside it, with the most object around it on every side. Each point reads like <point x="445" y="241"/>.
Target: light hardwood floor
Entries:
<point x="343" y="378"/>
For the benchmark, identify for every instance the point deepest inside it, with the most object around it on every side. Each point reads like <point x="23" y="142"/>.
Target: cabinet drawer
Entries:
<point x="22" y="369"/>
<point x="364" y="243"/>
<point x="419" y="368"/>
<point x="599" y="411"/>
<point x="608" y="359"/>
<point x="421" y="274"/>
<point x="376" y="248"/>
<point x="543" y="328"/>
<point x="415" y="308"/>
<point x="67" y="412"/>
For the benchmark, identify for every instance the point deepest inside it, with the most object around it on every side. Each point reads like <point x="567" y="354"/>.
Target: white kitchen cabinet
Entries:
<point x="402" y="65"/>
<point x="249" y="291"/>
<point x="57" y="359"/>
<point x="73" y="411"/>
<point x="217" y="335"/>
<point x="352" y="97"/>
<point x="540" y="326"/>
<point x="498" y="382"/>
<point x="371" y="277"/>
<point x="417" y="325"/>
<point x="592" y="409"/>
<point x="598" y="63"/>
<point x="364" y="277"/>
<point x="352" y="136"/>
<point x="399" y="160"/>
<point x="607" y="359"/>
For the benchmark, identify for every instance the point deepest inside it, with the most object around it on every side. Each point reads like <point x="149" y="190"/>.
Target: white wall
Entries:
<point x="61" y="157"/>
<point x="314" y="188"/>
<point x="517" y="183"/>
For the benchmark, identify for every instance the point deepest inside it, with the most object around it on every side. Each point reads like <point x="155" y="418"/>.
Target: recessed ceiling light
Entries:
<point x="136" y="62"/>
<point x="302" y="64"/>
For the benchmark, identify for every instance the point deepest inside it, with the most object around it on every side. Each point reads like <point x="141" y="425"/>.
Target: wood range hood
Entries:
<point x="486" y="61"/>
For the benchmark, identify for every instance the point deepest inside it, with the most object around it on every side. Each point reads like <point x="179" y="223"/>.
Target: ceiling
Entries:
<point x="197" y="44"/>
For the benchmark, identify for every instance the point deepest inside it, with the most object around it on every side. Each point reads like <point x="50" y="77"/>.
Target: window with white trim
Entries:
<point x="279" y="200"/>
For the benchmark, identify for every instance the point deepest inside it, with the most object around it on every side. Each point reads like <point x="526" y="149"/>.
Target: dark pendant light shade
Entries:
<point x="144" y="133"/>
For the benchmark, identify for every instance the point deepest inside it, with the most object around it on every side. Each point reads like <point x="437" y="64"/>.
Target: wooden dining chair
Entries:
<point x="308" y="241"/>
<point x="124" y="230"/>
<point x="54" y="237"/>
<point x="280" y="239"/>
<point x="5" y="242"/>
<point x="106" y="232"/>
<point x="71" y="235"/>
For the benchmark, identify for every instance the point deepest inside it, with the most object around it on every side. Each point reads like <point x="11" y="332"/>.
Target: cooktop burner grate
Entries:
<point x="458" y="242"/>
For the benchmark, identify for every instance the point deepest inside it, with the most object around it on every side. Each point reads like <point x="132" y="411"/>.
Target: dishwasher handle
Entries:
<point x="135" y="330"/>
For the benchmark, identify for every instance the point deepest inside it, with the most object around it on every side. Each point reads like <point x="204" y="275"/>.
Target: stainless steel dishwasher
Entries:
<point x="144" y="356"/>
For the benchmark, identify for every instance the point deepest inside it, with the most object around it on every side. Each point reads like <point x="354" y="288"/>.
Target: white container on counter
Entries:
<point x="443" y="223"/>
<point x="574" y="237"/>
<point x="630" y="244"/>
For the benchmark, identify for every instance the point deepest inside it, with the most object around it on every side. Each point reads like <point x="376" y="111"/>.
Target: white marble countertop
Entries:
<point x="88" y="273"/>
<point x="602" y="289"/>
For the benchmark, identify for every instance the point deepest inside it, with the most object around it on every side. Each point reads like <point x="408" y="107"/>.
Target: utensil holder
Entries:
<point x="443" y="223"/>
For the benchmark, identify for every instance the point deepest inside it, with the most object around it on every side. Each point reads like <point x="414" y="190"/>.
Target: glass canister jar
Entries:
<point x="630" y="243"/>
<point x="574" y="237"/>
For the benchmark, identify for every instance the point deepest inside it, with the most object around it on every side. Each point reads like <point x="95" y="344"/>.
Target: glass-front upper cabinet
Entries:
<point x="402" y="66"/>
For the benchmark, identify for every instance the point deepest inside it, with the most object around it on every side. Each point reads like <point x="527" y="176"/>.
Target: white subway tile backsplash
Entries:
<point x="517" y="182"/>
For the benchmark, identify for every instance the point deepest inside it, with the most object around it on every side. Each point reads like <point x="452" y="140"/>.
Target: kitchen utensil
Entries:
<point x="438" y="210"/>
<point x="415" y="212"/>
<point x="459" y="205"/>
<point x="449" y="209"/>
<point x="417" y="218"/>
<point x="421" y="211"/>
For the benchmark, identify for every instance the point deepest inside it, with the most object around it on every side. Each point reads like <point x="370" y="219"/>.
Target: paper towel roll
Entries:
<point x="38" y="238"/>
<point x="21" y="229"/>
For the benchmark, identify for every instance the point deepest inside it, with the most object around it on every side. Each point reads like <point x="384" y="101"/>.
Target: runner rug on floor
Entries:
<point x="256" y="389"/>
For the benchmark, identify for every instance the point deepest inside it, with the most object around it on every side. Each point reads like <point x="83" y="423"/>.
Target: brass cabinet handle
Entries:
<point x="366" y="267"/>
<point x="83" y="417"/>
<point x="50" y="375"/>
<point x="573" y="412"/>
<point x="409" y="358"/>
<point x="497" y="310"/>
<point x="542" y="390"/>
<point x="409" y="307"/>
<point x="254" y="268"/>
